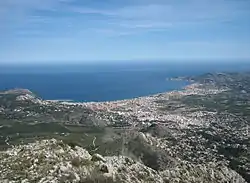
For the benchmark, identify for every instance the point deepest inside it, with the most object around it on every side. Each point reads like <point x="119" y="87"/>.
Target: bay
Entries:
<point x="101" y="82"/>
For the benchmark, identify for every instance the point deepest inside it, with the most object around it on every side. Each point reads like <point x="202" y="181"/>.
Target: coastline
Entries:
<point x="191" y="89"/>
<point x="60" y="100"/>
<point x="146" y="109"/>
<point x="72" y="102"/>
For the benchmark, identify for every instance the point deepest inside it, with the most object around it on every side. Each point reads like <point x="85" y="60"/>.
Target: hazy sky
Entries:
<point x="85" y="30"/>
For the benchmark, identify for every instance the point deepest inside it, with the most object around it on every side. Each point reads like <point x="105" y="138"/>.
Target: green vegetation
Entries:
<point x="215" y="130"/>
<point x="24" y="128"/>
<point x="73" y="135"/>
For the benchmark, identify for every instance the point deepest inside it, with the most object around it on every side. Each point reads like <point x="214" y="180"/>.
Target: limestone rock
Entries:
<point x="98" y="157"/>
<point x="52" y="161"/>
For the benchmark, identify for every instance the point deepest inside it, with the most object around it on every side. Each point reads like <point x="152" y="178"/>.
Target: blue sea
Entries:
<point x="105" y="82"/>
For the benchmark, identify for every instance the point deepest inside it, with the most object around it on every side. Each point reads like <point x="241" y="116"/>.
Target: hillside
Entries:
<point x="198" y="134"/>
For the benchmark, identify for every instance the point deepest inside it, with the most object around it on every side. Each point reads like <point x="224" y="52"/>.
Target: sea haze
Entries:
<point x="103" y="82"/>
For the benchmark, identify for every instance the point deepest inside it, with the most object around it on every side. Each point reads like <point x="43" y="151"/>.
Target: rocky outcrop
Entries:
<point x="206" y="173"/>
<point x="53" y="161"/>
<point x="30" y="98"/>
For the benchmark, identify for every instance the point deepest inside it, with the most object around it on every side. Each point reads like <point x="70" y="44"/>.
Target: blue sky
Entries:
<point x="51" y="31"/>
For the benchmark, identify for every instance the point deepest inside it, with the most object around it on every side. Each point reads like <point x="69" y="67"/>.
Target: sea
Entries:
<point x="106" y="81"/>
